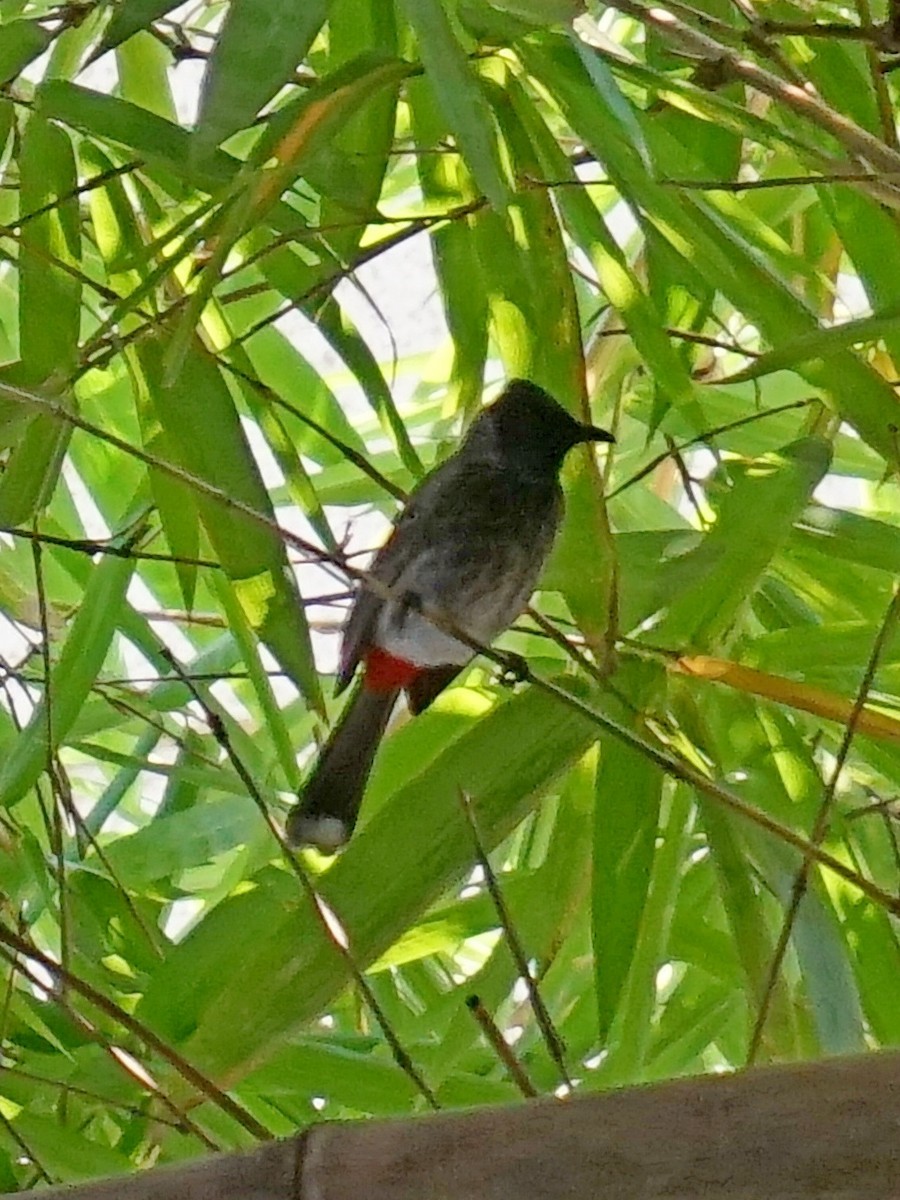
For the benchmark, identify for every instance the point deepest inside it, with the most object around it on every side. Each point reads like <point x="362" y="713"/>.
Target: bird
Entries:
<point x="469" y="545"/>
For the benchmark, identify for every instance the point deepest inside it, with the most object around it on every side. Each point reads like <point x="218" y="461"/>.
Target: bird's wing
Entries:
<point x="357" y="635"/>
<point x="386" y="567"/>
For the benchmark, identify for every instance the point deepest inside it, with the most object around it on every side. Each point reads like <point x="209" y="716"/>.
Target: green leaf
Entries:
<point x="22" y="42"/>
<point x="629" y="1037"/>
<point x="522" y="256"/>
<point x="629" y="790"/>
<point x="255" y="55"/>
<point x="338" y="327"/>
<point x="176" y="843"/>
<point x="359" y="1081"/>
<point x="50" y="283"/>
<point x="444" y="180"/>
<point x="80" y="660"/>
<point x="620" y="281"/>
<point x="710" y="584"/>
<point x="33" y="469"/>
<point x="408" y="852"/>
<point x="541" y="12"/>
<point x="131" y="16"/>
<point x="163" y="143"/>
<point x="199" y="416"/>
<point x="173" y="499"/>
<point x="848" y="536"/>
<point x="459" y="93"/>
<point x="622" y="120"/>
<point x="67" y="1152"/>
<point x="820" y="345"/>
<point x="349" y="170"/>
<point x="876" y="958"/>
<point x="753" y="939"/>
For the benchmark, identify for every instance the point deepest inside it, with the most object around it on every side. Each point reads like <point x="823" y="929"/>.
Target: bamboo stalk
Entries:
<point x="825" y="1130"/>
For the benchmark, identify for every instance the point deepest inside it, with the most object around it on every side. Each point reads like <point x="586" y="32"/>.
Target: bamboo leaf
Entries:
<point x="458" y="92"/>
<point x="822" y="344"/>
<point x="198" y="415"/>
<point x="22" y="42"/>
<point x="81" y="658"/>
<point x="130" y="17"/>
<point x="629" y="791"/>
<point x="400" y="883"/>
<point x="255" y="55"/>
<point x="719" y="575"/>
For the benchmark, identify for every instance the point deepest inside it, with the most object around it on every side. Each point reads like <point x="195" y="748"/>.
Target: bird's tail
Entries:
<point x="329" y="804"/>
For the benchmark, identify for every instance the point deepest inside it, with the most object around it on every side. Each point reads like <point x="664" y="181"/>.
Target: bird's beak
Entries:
<point x="591" y="433"/>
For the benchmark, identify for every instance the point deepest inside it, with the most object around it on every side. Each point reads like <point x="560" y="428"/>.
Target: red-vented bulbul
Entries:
<point x="470" y="544"/>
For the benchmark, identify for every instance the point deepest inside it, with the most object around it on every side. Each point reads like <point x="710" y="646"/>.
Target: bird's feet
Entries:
<point x="514" y="669"/>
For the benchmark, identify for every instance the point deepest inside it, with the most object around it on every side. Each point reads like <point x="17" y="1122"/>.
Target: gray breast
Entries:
<point x="480" y="577"/>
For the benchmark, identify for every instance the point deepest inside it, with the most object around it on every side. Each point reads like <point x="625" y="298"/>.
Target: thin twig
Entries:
<point x="551" y="1038"/>
<point x="88" y="185"/>
<point x="575" y="653"/>
<point x="687" y="335"/>
<point x="54" y="816"/>
<point x="573" y="650"/>
<point x="879" y="83"/>
<point x="140" y="1075"/>
<point x="498" y="1044"/>
<point x="831" y="30"/>
<point x="820" y="826"/>
<point x="352" y="456"/>
<point x="91" y="546"/>
<point x="687" y="483"/>
<point x="320" y="906"/>
<point x="856" y="140"/>
<point x="15" y="968"/>
<point x="66" y="1085"/>
<point x="136" y="915"/>
<point x="704" y="437"/>
<point x="758" y="185"/>
<point x="205" y="1086"/>
<point x="888" y="819"/>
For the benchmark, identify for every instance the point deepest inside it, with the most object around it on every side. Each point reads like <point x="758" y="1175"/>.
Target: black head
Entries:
<point x="530" y="430"/>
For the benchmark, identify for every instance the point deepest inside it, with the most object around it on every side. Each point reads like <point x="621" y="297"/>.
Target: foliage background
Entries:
<point x="687" y="220"/>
